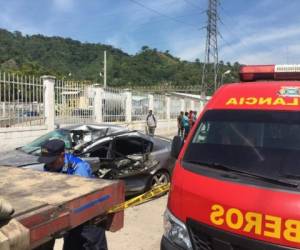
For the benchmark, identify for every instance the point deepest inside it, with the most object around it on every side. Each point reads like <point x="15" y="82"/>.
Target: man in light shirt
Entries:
<point x="151" y="123"/>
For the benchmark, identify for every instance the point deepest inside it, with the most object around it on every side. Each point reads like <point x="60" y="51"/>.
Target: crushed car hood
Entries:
<point x="17" y="158"/>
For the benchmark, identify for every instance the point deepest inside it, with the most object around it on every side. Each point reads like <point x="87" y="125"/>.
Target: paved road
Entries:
<point x="142" y="230"/>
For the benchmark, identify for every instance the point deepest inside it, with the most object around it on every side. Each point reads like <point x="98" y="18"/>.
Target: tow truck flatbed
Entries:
<point x="48" y="204"/>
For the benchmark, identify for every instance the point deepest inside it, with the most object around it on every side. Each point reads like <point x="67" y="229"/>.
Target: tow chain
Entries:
<point x="154" y="192"/>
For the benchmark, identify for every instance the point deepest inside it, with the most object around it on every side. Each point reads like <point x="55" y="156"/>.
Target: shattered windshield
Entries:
<point x="74" y="139"/>
<point x="56" y="134"/>
<point x="261" y="142"/>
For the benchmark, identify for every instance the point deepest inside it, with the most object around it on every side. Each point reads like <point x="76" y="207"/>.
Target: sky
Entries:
<point x="250" y="31"/>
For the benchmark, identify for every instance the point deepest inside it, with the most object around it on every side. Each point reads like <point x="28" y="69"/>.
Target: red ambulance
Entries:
<point x="236" y="183"/>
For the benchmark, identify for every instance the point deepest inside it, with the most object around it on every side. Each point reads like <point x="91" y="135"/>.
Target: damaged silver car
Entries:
<point x="114" y="152"/>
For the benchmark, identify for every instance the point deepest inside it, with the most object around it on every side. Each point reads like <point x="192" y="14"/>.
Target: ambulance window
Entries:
<point x="202" y="133"/>
<point x="263" y="142"/>
<point x="233" y="133"/>
<point x="282" y="136"/>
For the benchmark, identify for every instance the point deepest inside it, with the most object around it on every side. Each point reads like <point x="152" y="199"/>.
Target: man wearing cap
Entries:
<point x="86" y="236"/>
<point x="56" y="160"/>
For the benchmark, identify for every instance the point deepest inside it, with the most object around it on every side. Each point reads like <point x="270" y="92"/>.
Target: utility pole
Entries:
<point x="104" y="70"/>
<point x="211" y="49"/>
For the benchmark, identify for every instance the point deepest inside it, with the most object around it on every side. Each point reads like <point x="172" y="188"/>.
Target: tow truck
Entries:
<point x="47" y="205"/>
<point x="236" y="182"/>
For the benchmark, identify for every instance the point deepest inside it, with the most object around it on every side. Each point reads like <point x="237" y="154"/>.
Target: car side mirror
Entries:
<point x="177" y="144"/>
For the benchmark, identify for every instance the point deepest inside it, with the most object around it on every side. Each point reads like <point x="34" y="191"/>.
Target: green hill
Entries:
<point x="38" y="55"/>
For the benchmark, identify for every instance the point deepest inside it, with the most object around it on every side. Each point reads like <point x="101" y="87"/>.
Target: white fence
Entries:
<point x="27" y="101"/>
<point x="81" y="103"/>
<point x="176" y="104"/>
<point x="160" y="106"/>
<point x="21" y="101"/>
<point x="74" y="102"/>
<point x="29" y="107"/>
<point x="139" y="105"/>
<point x="114" y="105"/>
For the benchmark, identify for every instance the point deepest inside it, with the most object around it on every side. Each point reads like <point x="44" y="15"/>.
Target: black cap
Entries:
<point x="50" y="150"/>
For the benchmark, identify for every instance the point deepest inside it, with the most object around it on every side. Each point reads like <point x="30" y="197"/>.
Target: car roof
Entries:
<point x="274" y="95"/>
<point x="120" y="134"/>
<point x="91" y="126"/>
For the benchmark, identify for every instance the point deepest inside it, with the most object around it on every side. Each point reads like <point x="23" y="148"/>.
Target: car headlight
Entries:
<point x="175" y="231"/>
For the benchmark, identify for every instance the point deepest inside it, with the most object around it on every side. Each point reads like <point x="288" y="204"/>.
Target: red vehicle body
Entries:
<point x="236" y="182"/>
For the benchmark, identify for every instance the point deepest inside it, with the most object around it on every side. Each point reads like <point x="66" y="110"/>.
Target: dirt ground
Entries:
<point x="143" y="228"/>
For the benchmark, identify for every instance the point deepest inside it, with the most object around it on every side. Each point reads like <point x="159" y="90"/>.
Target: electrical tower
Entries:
<point x="211" y="50"/>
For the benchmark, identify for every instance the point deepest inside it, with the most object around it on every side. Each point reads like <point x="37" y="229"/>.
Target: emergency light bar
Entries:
<point x="270" y="72"/>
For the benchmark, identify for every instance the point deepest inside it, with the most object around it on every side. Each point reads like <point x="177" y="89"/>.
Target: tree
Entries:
<point x="38" y="55"/>
<point x="145" y="47"/>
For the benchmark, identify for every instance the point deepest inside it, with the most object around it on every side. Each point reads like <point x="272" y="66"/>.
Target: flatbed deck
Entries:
<point x="48" y="204"/>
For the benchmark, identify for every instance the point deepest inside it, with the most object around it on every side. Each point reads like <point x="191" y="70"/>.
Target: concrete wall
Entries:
<point x="15" y="137"/>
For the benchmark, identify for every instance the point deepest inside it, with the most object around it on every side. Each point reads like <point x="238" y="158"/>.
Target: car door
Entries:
<point x="97" y="153"/>
<point x="134" y="148"/>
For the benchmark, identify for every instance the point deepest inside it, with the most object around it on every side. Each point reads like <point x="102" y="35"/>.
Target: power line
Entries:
<point x="164" y="15"/>
<point x="160" y="20"/>
<point x="194" y="5"/>
<point x="153" y="21"/>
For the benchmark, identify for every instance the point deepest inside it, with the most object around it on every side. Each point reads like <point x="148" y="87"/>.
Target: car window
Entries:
<point x="61" y="134"/>
<point x="100" y="151"/>
<point x="132" y="145"/>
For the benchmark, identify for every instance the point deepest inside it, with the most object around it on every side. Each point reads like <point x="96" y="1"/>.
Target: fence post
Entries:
<point x="49" y="100"/>
<point x="192" y="105"/>
<point x="151" y="102"/>
<point x="128" y="106"/>
<point x="168" y="107"/>
<point x="98" y="105"/>
<point x="3" y="107"/>
<point x="182" y="105"/>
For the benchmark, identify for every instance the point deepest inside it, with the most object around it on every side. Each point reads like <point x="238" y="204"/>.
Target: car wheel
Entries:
<point x="159" y="178"/>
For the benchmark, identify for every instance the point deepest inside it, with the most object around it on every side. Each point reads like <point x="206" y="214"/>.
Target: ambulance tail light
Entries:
<point x="270" y="72"/>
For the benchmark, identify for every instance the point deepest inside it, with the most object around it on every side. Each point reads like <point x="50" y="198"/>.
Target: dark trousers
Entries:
<point x="85" y="237"/>
<point x="180" y="132"/>
<point x="151" y="131"/>
<point x="186" y="132"/>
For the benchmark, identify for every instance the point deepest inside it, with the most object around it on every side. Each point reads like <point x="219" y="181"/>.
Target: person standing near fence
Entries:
<point x="186" y="124"/>
<point x="179" y="124"/>
<point x="151" y="123"/>
<point x="191" y="118"/>
<point x="194" y="117"/>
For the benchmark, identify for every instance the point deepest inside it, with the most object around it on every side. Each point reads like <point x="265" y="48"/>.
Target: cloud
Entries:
<point x="63" y="5"/>
<point x="260" y="34"/>
<point x="263" y="46"/>
<point x="125" y="43"/>
<point x="190" y="53"/>
<point x="186" y="45"/>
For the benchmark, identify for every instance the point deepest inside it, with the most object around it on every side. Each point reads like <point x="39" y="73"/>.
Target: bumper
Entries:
<point x="165" y="244"/>
<point x="136" y="185"/>
<point x="202" y="234"/>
